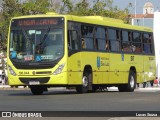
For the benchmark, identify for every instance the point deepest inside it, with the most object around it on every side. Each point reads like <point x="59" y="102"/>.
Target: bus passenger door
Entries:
<point x="74" y="63"/>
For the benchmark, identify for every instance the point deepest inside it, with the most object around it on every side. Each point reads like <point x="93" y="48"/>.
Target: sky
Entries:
<point x="122" y="4"/>
<point x="139" y="5"/>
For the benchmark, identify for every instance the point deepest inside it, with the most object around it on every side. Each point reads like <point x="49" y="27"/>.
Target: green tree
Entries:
<point x="81" y="8"/>
<point x="106" y="9"/>
<point x="13" y="8"/>
<point x="55" y="6"/>
<point x="99" y="8"/>
<point x="67" y="6"/>
<point x="35" y="7"/>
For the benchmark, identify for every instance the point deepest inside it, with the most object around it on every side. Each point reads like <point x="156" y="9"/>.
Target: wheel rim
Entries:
<point x="85" y="81"/>
<point x="132" y="82"/>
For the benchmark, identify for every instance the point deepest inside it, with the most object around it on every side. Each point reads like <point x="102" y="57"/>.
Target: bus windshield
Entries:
<point x="36" y="40"/>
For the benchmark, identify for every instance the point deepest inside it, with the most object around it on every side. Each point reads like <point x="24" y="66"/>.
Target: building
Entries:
<point x="156" y="29"/>
<point x="145" y="19"/>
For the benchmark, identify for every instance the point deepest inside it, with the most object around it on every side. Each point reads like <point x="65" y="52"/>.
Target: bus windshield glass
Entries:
<point x="37" y="39"/>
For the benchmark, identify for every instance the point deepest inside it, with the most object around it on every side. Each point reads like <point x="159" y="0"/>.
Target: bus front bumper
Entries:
<point x="38" y="80"/>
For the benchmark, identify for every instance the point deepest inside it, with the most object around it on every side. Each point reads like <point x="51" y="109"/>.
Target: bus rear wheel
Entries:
<point x="130" y="86"/>
<point x="131" y="82"/>
<point x="37" y="90"/>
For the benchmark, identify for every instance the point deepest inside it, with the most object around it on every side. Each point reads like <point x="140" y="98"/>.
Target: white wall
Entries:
<point x="156" y="31"/>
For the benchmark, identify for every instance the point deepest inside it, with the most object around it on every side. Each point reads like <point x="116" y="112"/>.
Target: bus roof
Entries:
<point x="97" y="20"/>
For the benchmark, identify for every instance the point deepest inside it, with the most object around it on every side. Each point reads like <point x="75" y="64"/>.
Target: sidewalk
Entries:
<point x="154" y="88"/>
<point x="4" y="86"/>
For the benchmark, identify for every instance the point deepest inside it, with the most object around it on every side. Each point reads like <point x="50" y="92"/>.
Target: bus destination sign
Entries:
<point x="37" y="22"/>
<point x="28" y="22"/>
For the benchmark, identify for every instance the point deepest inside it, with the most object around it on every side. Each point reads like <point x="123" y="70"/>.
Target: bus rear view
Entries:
<point x="36" y="52"/>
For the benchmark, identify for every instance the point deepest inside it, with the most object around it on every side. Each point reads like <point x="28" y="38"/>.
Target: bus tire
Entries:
<point x="131" y="82"/>
<point x="84" y="88"/>
<point x="131" y="85"/>
<point x="37" y="90"/>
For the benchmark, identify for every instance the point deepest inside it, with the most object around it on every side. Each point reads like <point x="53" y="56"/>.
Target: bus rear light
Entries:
<point x="59" y="69"/>
<point x="11" y="71"/>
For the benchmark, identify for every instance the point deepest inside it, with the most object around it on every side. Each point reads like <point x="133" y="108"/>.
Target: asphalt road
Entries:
<point x="69" y="100"/>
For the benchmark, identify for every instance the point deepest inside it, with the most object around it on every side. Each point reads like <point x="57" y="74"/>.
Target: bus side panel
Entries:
<point x="74" y="69"/>
<point x="118" y="68"/>
<point x="120" y="65"/>
<point x="60" y="79"/>
<point x="92" y="59"/>
<point x="99" y="63"/>
<point x="102" y="65"/>
<point x="137" y="62"/>
<point x="140" y="77"/>
<point x="149" y="68"/>
<point x="76" y="66"/>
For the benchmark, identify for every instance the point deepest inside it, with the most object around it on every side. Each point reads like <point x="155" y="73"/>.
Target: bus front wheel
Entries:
<point x="85" y="84"/>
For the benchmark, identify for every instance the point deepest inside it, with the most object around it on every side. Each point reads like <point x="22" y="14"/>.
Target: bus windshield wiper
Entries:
<point x="25" y="35"/>
<point x="45" y="36"/>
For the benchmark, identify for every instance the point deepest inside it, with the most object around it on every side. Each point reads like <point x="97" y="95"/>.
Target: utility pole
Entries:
<point x="135" y="7"/>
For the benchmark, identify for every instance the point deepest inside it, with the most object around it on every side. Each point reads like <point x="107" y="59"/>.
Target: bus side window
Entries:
<point x="114" y="39"/>
<point x="146" y="43"/>
<point x="136" y="42"/>
<point x="126" y="44"/>
<point x="87" y="35"/>
<point x="118" y="34"/>
<point x="107" y="41"/>
<point x="73" y="40"/>
<point x="130" y="36"/>
<point x="83" y="43"/>
<point x="69" y="40"/>
<point x="100" y="38"/>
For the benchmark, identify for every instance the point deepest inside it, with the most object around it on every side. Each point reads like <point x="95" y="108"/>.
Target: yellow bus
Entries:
<point x="84" y="52"/>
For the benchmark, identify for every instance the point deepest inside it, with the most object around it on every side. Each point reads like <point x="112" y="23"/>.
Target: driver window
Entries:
<point x="73" y="35"/>
<point x="74" y="40"/>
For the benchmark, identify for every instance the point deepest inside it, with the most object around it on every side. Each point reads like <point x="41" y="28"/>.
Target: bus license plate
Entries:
<point x="34" y="82"/>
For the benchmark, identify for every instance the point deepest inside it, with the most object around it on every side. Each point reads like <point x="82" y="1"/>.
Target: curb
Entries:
<point x="149" y="88"/>
<point x="5" y="86"/>
<point x="8" y="87"/>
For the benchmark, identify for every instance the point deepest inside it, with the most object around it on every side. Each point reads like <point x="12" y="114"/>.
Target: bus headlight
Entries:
<point x="59" y="69"/>
<point x="11" y="71"/>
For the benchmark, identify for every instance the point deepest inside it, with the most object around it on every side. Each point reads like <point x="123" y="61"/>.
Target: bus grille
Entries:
<point x="40" y="80"/>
